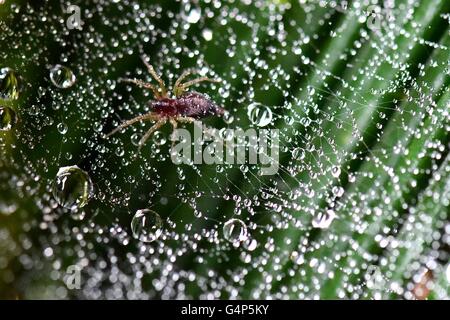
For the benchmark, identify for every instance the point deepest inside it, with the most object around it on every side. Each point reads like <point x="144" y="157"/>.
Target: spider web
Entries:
<point x="363" y="152"/>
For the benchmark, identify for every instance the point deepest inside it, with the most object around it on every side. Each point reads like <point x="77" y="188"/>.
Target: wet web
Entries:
<point x="363" y="152"/>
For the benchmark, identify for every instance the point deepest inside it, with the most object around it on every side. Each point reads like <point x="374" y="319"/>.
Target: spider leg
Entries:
<point x="155" y="127"/>
<point x="148" y="116"/>
<point x="174" y="123"/>
<point x="179" y="87"/>
<point x="152" y="71"/>
<point x="198" y="80"/>
<point x="176" y="87"/>
<point x="143" y="84"/>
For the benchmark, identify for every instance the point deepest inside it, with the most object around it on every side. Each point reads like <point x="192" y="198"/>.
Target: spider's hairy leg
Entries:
<point x="143" y="84"/>
<point x="153" y="73"/>
<point x="179" y="87"/>
<point x="177" y="90"/>
<point x="155" y="127"/>
<point x="174" y="123"/>
<point x="149" y="116"/>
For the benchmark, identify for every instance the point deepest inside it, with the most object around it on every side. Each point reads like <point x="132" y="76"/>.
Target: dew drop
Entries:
<point x="235" y="230"/>
<point x="337" y="191"/>
<point x="78" y="215"/>
<point x="297" y="258"/>
<point x="207" y="34"/>
<point x="62" y="77"/>
<point x="135" y="138"/>
<point x="9" y="84"/>
<point x="194" y="16"/>
<point x="146" y="225"/>
<point x="159" y="138"/>
<point x="259" y="114"/>
<point x="228" y="118"/>
<point x="250" y="244"/>
<point x="298" y="154"/>
<point x="8" y="118"/>
<point x="323" y="220"/>
<point x="336" y="172"/>
<point x="62" y="128"/>
<point x="72" y="187"/>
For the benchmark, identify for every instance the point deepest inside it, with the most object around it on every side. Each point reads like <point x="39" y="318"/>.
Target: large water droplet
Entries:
<point x="259" y="114"/>
<point x="62" y="77"/>
<point x="8" y="118"/>
<point x="72" y="187"/>
<point x="9" y="84"/>
<point x="146" y="225"/>
<point x="235" y="230"/>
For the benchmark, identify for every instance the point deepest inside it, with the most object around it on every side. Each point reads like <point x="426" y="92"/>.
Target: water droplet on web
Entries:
<point x="72" y="187"/>
<point x="207" y="34"/>
<point x="297" y="258"/>
<point x="194" y="16"/>
<point x="9" y="84"/>
<point x="298" y="153"/>
<point x="250" y="244"/>
<point x="135" y="138"/>
<point x="228" y="117"/>
<point x="8" y="118"/>
<point x="323" y="220"/>
<point x="78" y="215"/>
<point x="62" y="77"/>
<point x="235" y="230"/>
<point x="336" y="171"/>
<point x="159" y="138"/>
<point x="259" y="114"/>
<point x="62" y="128"/>
<point x="337" y="191"/>
<point x="119" y="151"/>
<point x="146" y="225"/>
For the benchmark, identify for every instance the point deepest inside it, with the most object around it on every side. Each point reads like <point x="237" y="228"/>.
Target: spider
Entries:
<point x="185" y="107"/>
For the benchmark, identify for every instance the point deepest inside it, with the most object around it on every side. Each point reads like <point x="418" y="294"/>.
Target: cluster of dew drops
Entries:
<point x="315" y="164"/>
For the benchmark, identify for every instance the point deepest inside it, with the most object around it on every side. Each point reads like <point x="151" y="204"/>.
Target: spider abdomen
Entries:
<point x="190" y="104"/>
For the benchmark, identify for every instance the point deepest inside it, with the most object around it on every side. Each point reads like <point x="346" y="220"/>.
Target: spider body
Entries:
<point x="191" y="104"/>
<point x="184" y="107"/>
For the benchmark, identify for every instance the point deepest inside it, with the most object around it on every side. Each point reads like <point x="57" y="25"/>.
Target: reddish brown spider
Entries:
<point x="185" y="107"/>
